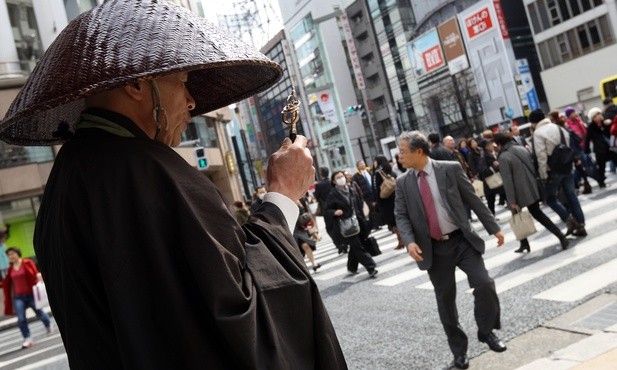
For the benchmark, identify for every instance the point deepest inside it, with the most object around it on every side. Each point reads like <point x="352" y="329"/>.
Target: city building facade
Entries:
<point x="316" y="34"/>
<point x="374" y="90"/>
<point x="576" y="43"/>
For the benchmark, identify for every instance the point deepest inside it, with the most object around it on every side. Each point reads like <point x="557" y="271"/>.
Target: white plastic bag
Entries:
<point x="40" y="296"/>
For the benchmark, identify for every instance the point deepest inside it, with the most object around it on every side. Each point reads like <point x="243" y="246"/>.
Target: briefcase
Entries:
<point x="371" y="246"/>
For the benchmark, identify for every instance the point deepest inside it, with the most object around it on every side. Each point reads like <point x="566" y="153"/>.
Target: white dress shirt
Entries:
<point x="367" y="176"/>
<point x="446" y="224"/>
<point x="287" y="206"/>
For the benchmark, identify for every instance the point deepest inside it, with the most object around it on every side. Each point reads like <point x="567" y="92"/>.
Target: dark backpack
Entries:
<point x="560" y="161"/>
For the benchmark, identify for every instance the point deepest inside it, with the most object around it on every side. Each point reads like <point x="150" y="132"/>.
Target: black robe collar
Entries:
<point x="119" y="119"/>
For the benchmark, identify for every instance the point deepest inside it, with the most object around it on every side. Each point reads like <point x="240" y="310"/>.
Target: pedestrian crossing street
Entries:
<point x="47" y="351"/>
<point x="396" y="267"/>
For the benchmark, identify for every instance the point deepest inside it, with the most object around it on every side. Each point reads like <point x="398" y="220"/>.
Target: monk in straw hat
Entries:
<point x="145" y="266"/>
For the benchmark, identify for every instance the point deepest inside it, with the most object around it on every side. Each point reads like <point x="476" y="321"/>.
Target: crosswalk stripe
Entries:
<point x="538" y="245"/>
<point x="343" y="261"/>
<point x="582" y="285"/>
<point x="552" y="263"/>
<point x="30" y="354"/>
<point x="45" y="362"/>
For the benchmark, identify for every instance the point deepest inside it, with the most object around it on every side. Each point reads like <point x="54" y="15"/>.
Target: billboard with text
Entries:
<point x="425" y="53"/>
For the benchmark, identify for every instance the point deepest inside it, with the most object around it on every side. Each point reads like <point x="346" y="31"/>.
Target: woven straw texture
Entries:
<point x="124" y="40"/>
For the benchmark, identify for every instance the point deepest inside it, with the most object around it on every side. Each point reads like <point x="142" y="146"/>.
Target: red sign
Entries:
<point x="478" y="23"/>
<point x="433" y="58"/>
<point x="501" y="19"/>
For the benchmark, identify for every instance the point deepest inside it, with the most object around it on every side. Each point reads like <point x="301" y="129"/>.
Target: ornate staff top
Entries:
<point x="290" y="114"/>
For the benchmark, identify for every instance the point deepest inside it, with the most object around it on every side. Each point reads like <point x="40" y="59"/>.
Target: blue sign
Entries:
<point x="509" y="113"/>
<point x="532" y="99"/>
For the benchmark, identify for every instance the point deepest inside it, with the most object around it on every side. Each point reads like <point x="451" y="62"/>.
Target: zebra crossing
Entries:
<point x="47" y="352"/>
<point x="396" y="267"/>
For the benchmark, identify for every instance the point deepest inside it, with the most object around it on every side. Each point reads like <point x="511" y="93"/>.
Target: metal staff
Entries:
<point x="290" y="114"/>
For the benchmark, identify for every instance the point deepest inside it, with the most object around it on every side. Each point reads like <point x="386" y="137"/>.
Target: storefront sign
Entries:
<point x="453" y="47"/>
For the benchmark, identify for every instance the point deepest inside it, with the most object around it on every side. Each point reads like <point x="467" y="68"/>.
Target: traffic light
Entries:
<point x="354" y="109"/>
<point x="200" y="156"/>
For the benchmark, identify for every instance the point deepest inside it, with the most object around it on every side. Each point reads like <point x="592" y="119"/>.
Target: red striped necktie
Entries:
<point x="429" y="207"/>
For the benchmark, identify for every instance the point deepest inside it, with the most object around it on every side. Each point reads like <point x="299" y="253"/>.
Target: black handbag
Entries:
<point x="349" y="226"/>
<point x="371" y="246"/>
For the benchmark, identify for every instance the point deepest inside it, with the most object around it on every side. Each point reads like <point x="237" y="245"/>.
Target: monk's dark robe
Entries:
<point x="147" y="268"/>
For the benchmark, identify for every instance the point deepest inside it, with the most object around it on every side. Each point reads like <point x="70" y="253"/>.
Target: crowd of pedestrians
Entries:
<point x="433" y="222"/>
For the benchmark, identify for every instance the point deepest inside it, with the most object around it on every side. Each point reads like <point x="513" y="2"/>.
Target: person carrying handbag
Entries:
<point x="383" y="175"/>
<point x="489" y="166"/>
<point x="521" y="186"/>
<point x="18" y="293"/>
<point x="344" y="203"/>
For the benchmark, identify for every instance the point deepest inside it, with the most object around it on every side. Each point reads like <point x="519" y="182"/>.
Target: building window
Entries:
<point x="565" y="10"/>
<point x="25" y="33"/>
<point x="575" y="48"/>
<point x="533" y="16"/>
<point x="545" y="14"/>
<point x="576" y="42"/>
<point x="553" y="12"/>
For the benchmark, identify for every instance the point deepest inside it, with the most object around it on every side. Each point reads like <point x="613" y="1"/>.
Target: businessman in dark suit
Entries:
<point x="430" y="213"/>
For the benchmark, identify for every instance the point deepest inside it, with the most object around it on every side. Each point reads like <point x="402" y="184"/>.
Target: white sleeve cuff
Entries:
<point x="287" y="206"/>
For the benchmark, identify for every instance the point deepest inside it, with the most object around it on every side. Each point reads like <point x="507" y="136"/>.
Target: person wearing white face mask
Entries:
<point x="344" y="202"/>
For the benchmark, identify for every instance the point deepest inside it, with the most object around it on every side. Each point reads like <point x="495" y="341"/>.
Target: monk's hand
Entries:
<point x="415" y="252"/>
<point x="500" y="238"/>
<point x="290" y="169"/>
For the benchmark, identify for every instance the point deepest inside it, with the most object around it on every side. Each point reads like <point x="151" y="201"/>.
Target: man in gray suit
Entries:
<point x="430" y="212"/>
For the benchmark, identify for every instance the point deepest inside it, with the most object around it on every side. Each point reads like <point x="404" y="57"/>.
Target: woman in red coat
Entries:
<point x="18" y="295"/>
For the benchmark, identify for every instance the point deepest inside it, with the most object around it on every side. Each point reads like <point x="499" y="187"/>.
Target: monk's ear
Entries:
<point x="136" y="90"/>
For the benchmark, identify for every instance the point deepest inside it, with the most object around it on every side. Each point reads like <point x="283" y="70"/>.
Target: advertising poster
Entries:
<point x="453" y="47"/>
<point x="425" y="53"/>
<point x="324" y="99"/>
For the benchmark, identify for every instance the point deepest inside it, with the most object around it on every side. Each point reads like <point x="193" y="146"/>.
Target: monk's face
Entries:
<point x="177" y="102"/>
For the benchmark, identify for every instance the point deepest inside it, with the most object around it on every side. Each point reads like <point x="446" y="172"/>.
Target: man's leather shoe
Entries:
<point x="461" y="362"/>
<point x="494" y="343"/>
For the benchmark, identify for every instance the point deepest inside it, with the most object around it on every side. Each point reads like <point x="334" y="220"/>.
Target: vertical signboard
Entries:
<point x="491" y="57"/>
<point x="453" y="48"/>
<point x="501" y="19"/>
<point x="526" y="87"/>
<point x="425" y="53"/>
<point x="324" y="100"/>
<point x="353" y="53"/>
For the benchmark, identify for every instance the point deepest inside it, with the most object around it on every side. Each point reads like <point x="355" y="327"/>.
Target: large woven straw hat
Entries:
<point x="120" y="42"/>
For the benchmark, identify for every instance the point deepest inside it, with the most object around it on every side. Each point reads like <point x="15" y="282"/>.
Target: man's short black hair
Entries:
<point x="324" y="172"/>
<point x="433" y="137"/>
<point x="502" y="138"/>
<point x="536" y="116"/>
